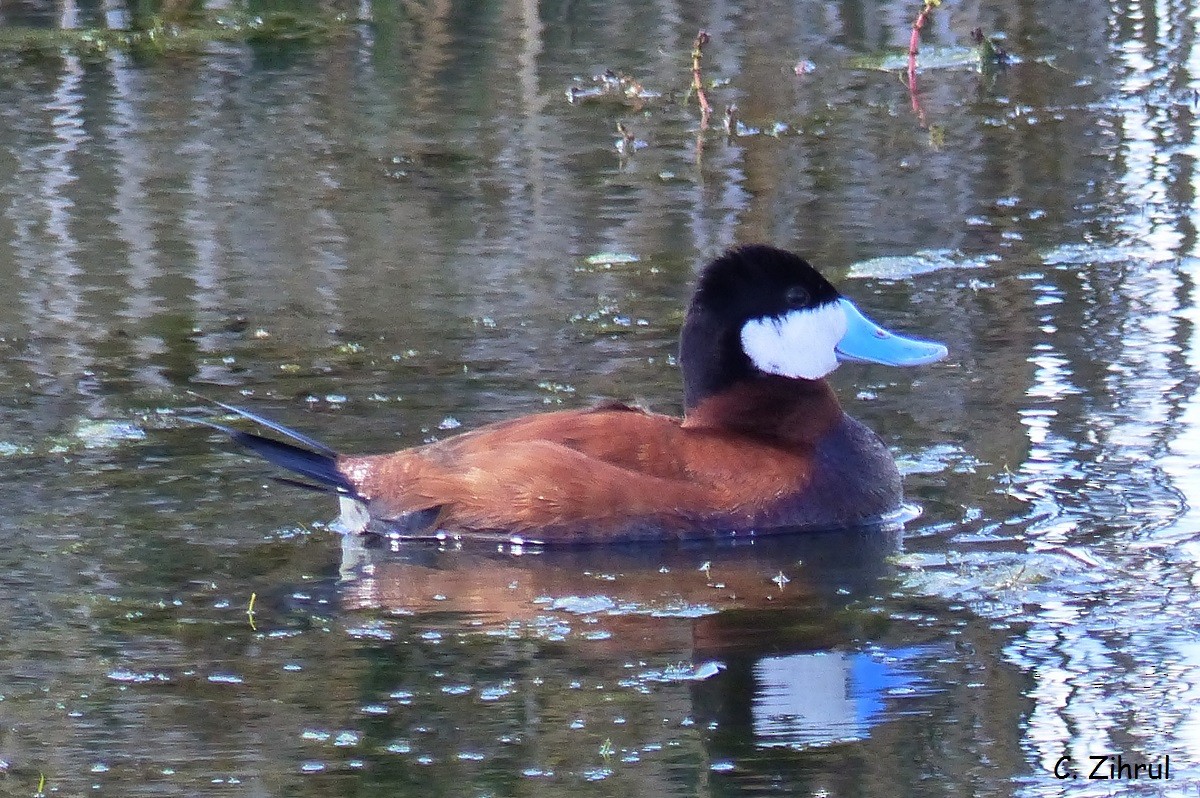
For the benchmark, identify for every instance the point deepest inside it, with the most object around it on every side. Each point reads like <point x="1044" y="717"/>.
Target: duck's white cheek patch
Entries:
<point x="797" y="344"/>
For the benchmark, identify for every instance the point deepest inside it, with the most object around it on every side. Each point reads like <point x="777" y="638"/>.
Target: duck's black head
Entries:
<point x="759" y="310"/>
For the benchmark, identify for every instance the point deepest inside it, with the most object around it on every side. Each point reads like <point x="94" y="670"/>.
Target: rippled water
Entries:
<point x="405" y="228"/>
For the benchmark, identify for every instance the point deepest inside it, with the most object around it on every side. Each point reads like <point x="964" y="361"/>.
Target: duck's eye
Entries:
<point x="797" y="297"/>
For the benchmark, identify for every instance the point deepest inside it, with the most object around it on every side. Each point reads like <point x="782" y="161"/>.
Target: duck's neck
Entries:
<point x="779" y="408"/>
<point x="723" y="390"/>
<point x="710" y="357"/>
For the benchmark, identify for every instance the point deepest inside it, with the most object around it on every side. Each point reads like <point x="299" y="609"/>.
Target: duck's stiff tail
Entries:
<point x="312" y="459"/>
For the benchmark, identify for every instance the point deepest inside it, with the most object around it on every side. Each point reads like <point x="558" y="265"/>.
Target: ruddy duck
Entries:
<point x="763" y="446"/>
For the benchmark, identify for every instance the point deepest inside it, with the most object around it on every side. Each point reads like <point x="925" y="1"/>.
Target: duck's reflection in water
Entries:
<point x="782" y="637"/>
<point x="501" y="583"/>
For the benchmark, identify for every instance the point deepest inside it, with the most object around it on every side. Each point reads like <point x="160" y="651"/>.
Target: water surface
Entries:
<point x="405" y="229"/>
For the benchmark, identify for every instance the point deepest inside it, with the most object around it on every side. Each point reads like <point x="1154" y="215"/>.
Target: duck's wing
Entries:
<point x="529" y="486"/>
<point x="599" y="471"/>
<point x="617" y="434"/>
<point x="539" y="471"/>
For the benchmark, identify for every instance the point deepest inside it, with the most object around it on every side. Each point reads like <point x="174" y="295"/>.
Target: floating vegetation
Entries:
<point x="583" y="605"/>
<point x="611" y="259"/>
<point x="610" y="87"/>
<point x="938" y="459"/>
<point x="426" y="164"/>
<point x="89" y="434"/>
<point x="923" y="261"/>
<point x="556" y="390"/>
<point x="680" y="672"/>
<point x="606" y="317"/>
<point x="984" y="53"/>
<point x="949" y="57"/>
<point x="556" y="387"/>
<point x="225" y="678"/>
<point x="998" y="584"/>
<point x="9" y="449"/>
<point x="1090" y="254"/>
<point x="125" y="675"/>
<point x="161" y="36"/>
<point x="100" y="434"/>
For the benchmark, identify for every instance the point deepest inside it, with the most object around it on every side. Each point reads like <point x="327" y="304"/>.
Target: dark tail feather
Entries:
<point x="299" y="483"/>
<point x="298" y="437"/>
<point x="320" y="466"/>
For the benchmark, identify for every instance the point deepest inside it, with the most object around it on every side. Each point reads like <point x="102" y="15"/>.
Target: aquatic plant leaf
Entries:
<point x="951" y="57"/>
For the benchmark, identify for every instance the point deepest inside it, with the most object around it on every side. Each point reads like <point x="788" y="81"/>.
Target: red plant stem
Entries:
<point x="913" y="44"/>
<point x="702" y="39"/>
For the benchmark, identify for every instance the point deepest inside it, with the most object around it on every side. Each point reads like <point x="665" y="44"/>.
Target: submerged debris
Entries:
<point x="628" y="143"/>
<point x="990" y="52"/>
<point x="735" y="128"/>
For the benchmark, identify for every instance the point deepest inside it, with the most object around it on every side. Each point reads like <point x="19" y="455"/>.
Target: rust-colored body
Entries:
<point x="766" y="455"/>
